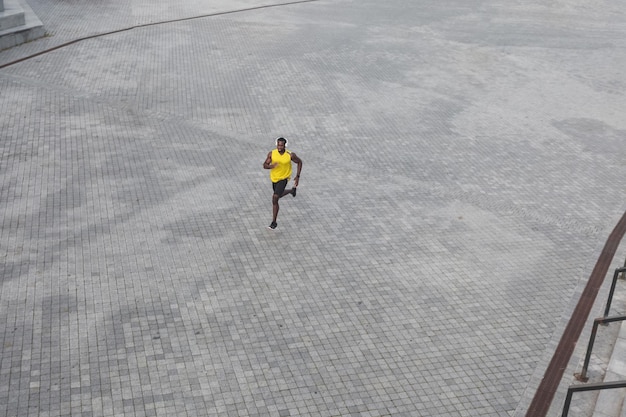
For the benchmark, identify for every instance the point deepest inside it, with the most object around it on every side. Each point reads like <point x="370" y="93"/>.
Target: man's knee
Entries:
<point x="275" y="198"/>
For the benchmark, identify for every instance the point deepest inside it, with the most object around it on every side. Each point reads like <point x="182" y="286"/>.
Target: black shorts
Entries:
<point x="279" y="187"/>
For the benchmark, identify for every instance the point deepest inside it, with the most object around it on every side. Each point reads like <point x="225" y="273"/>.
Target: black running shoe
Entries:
<point x="293" y="192"/>
<point x="272" y="226"/>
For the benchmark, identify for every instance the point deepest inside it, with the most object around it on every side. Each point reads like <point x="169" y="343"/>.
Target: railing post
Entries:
<point x="583" y="374"/>
<point x="568" y="400"/>
<point x="612" y="291"/>
<point x="600" y="320"/>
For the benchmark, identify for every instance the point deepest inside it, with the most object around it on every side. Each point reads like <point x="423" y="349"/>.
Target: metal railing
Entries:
<point x="610" y="298"/>
<point x="588" y="387"/>
<point x="582" y="376"/>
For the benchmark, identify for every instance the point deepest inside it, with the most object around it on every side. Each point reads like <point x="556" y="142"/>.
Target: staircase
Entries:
<point x="18" y="24"/>
<point x="611" y="403"/>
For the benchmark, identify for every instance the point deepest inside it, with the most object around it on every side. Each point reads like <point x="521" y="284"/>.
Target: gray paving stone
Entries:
<point x="463" y="167"/>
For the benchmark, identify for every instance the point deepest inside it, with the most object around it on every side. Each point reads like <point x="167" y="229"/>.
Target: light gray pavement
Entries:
<point x="463" y="167"/>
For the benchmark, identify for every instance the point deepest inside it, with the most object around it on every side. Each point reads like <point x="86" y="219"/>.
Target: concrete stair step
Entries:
<point x="18" y="24"/>
<point x="10" y="18"/>
<point x="611" y="402"/>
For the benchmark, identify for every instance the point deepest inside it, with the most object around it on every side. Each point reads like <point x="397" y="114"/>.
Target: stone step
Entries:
<point x="610" y="402"/>
<point x="18" y="24"/>
<point x="10" y="18"/>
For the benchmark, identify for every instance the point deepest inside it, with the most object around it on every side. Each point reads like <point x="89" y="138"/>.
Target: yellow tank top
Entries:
<point x="283" y="169"/>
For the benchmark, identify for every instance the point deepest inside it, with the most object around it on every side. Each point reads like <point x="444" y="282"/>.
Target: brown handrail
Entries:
<point x="549" y="384"/>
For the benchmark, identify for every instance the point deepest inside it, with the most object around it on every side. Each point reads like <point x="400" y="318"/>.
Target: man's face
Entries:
<point x="280" y="145"/>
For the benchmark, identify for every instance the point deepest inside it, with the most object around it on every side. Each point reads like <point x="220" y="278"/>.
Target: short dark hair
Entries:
<point x="281" y="140"/>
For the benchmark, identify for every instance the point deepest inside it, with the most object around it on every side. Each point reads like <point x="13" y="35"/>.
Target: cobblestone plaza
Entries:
<point x="464" y="162"/>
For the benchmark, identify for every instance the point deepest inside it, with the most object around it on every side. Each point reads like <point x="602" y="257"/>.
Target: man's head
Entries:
<point x="281" y="143"/>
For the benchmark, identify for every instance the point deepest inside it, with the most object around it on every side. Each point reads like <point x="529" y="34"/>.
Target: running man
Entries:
<point x="279" y="161"/>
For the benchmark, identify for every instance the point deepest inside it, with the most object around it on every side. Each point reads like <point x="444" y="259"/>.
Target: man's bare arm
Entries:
<point x="268" y="162"/>
<point x="294" y="158"/>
